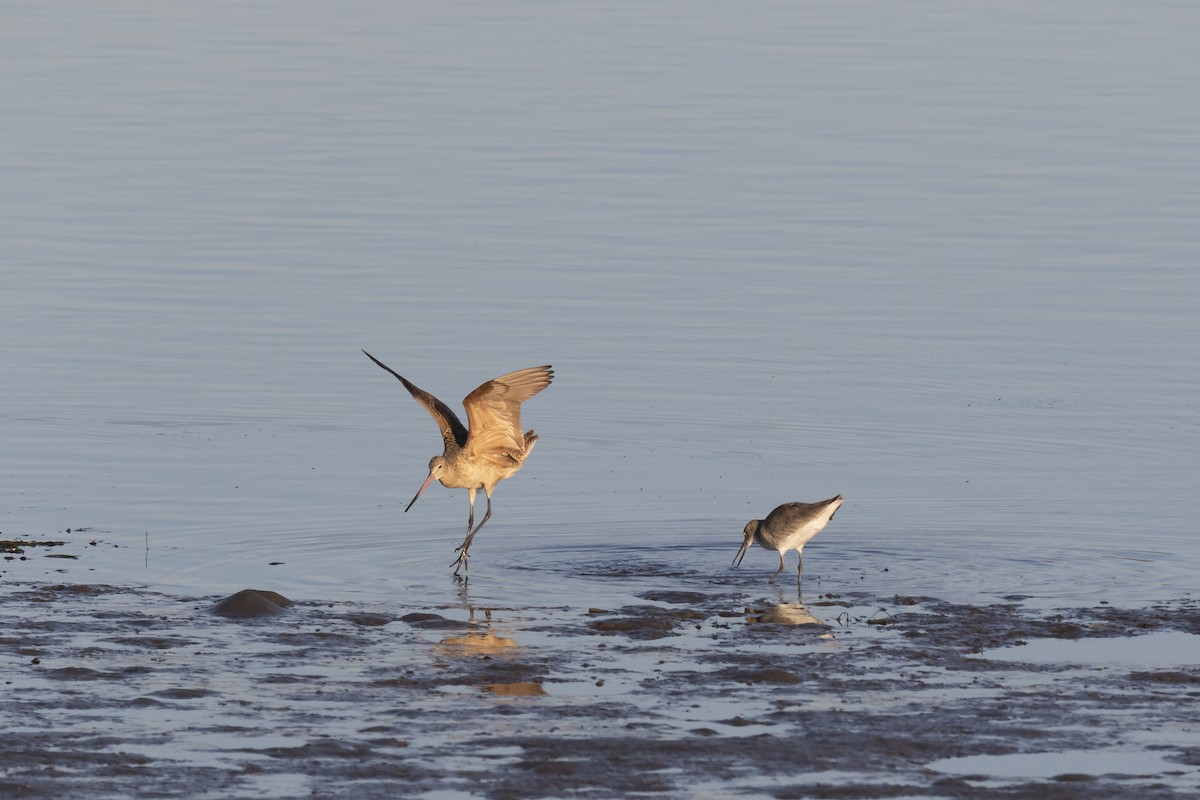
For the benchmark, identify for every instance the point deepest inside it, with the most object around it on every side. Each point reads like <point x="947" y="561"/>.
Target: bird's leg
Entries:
<point x="486" y="516"/>
<point x="461" y="561"/>
<point x="776" y="575"/>
<point x="466" y="545"/>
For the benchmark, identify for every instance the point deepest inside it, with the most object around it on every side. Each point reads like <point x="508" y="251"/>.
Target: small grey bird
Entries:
<point x="789" y="527"/>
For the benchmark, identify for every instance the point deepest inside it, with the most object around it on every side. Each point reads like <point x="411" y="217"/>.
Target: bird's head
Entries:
<point x="751" y="533"/>
<point x="437" y="468"/>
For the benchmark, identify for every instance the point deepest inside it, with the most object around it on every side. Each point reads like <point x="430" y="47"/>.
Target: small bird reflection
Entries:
<point x="796" y="614"/>
<point x="785" y="614"/>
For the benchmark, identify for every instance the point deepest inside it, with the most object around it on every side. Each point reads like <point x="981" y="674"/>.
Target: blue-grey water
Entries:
<point x="939" y="258"/>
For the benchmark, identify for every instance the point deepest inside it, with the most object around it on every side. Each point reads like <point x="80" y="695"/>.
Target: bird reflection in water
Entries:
<point x="784" y="614"/>
<point x="796" y="614"/>
<point x="479" y="641"/>
<point x="487" y="640"/>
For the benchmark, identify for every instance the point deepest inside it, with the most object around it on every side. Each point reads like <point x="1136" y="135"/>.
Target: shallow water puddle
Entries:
<point x="1067" y="763"/>
<point x="1158" y="650"/>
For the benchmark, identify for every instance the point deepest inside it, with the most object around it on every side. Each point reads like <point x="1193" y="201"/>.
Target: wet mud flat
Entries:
<point x="720" y="691"/>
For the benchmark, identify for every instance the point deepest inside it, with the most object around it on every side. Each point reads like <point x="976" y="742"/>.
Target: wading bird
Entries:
<point x="492" y="449"/>
<point x="789" y="527"/>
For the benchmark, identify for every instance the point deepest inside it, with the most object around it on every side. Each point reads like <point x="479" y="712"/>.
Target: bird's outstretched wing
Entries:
<point x="494" y="414"/>
<point x="453" y="432"/>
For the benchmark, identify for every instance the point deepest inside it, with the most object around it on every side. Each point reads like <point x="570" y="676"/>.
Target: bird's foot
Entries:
<point x="461" y="561"/>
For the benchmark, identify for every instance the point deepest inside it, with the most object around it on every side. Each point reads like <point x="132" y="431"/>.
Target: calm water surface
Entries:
<point x="939" y="259"/>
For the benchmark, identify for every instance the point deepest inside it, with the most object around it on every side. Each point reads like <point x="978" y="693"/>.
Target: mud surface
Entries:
<point x="118" y="692"/>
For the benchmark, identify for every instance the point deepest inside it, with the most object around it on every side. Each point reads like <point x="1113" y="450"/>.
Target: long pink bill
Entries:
<point x="424" y="485"/>
<point x="737" y="560"/>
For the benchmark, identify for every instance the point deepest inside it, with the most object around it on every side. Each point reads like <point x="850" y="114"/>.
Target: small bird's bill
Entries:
<point x="424" y="486"/>
<point x="737" y="560"/>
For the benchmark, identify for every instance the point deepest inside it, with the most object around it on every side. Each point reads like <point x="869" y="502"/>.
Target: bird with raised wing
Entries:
<point x="491" y="449"/>
<point x="789" y="527"/>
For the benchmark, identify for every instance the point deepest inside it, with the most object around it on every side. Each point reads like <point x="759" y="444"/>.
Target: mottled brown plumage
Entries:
<point x="491" y="449"/>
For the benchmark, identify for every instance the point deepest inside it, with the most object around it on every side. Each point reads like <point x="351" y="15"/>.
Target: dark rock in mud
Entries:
<point x="769" y="675"/>
<point x="152" y="642"/>
<point x="80" y="588"/>
<point x="648" y="622"/>
<point x="636" y="627"/>
<point x="739" y="722"/>
<point x="81" y="674"/>
<point x="674" y="596"/>
<point x="320" y="748"/>
<point x="180" y="693"/>
<point x="250" y="603"/>
<point x="1168" y="676"/>
<point x="17" y="546"/>
<point x="433" y="621"/>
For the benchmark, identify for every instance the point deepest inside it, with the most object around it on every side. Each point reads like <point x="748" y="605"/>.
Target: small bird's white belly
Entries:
<point x="798" y="537"/>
